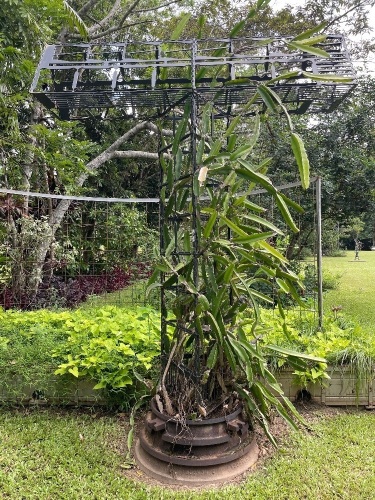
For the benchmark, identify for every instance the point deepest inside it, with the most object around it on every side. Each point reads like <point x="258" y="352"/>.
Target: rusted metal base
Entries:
<point x="168" y="473"/>
<point x="195" y="452"/>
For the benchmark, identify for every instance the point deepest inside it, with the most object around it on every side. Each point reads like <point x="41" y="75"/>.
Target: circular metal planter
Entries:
<point x="195" y="452"/>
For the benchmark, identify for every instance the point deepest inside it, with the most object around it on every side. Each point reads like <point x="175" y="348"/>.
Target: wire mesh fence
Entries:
<point x="103" y="250"/>
<point x="98" y="251"/>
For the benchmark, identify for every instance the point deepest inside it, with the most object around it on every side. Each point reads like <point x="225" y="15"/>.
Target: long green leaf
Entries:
<point x="310" y="50"/>
<point x="313" y="40"/>
<point x="294" y="354"/>
<point x="180" y="27"/>
<point x="327" y="77"/>
<point x="210" y="224"/>
<point x="213" y="356"/>
<point x="242" y="151"/>
<point x="233" y="226"/>
<point x="256" y="177"/>
<point x="267" y="97"/>
<point x="292" y="203"/>
<point x="237" y="28"/>
<point x="229" y="355"/>
<point x="233" y="124"/>
<point x="285" y="213"/>
<point x="308" y="33"/>
<point x="278" y="100"/>
<point x="262" y="222"/>
<point x="253" y="238"/>
<point x="75" y="20"/>
<point x="300" y="155"/>
<point x="181" y="129"/>
<point x="270" y="249"/>
<point x="215" y="328"/>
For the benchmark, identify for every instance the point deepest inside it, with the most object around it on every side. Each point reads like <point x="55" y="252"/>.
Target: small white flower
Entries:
<point x="202" y="175"/>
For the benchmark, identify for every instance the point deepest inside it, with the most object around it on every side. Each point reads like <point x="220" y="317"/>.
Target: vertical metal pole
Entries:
<point x="195" y="199"/>
<point x="319" y="248"/>
<point x="163" y="306"/>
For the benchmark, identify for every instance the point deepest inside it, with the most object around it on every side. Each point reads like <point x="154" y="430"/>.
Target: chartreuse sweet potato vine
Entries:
<point x="111" y="346"/>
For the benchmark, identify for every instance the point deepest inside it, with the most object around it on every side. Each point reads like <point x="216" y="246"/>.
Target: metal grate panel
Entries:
<point x="159" y="75"/>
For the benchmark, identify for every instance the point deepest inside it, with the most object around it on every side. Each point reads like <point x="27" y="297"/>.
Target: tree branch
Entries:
<point x="108" y="18"/>
<point x="110" y="31"/>
<point x="135" y="154"/>
<point x="151" y="9"/>
<point x="361" y="3"/>
<point x="88" y="6"/>
<point x="108" y="154"/>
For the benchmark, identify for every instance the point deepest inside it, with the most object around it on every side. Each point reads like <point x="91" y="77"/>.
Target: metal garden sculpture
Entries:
<point x="214" y="241"/>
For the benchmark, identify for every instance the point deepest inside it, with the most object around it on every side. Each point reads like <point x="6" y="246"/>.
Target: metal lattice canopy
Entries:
<point x="158" y="76"/>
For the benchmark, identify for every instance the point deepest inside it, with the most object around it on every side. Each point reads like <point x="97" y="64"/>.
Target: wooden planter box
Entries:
<point x="64" y="390"/>
<point x="342" y="389"/>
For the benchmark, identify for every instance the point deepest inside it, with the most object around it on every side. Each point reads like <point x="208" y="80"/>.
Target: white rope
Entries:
<point x="131" y="200"/>
<point x="79" y="198"/>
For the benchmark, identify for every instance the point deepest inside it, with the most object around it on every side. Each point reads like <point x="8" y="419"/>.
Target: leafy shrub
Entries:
<point x="330" y="280"/>
<point x="60" y="292"/>
<point x="113" y="347"/>
<point x="341" y="342"/>
<point x="26" y="343"/>
<point x="118" y="348"/>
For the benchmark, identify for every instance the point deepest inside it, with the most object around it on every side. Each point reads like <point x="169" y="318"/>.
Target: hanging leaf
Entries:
<point x="219" y="334"/>
<point x="284" y="76"/>
<point x="263" y="222"/>
<point x="285" y="213"/>
<point x="210" y="224"/>
<point x="237" y="28"/>
<point x="283" y="285"/>
<point x="242" y="151"/>
<point x="233" y="124"/>
<point x="256" y="177"/>
<point x="308" y="33"/>
<point x="75" y="20"/>
<point x="267" y="98"/>
<point x="292" y="203"/>
<point x="310" y="50"/>
<point x="180" y="27"/>
<point x="300" y="155"/>
<point x="181" y="129"/>
<point x="313" y="40"/>
<point x="178" y="164"/>
<point x="327" y="77"/>
<point x="212" y="357"/>
<point x="232" y="142"/>
<point x="253" y="238"/>
<point x="229" y="355"/>
<point x="295" y="354"/>
<point x="277" y="99"/>
<point x="270" y="249"/>
<point x="233" y="226"/>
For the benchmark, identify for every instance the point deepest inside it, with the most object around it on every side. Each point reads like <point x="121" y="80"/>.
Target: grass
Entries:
<point x="46" y="454"/>
<point x="132" y="295"/>
<point x="356" y="290"/>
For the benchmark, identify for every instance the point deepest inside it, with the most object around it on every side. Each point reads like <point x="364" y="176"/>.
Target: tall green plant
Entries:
<point x="217" y="249"/>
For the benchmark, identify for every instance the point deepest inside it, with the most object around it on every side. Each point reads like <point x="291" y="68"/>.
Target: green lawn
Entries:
<point x="46" y="454"/>
<point x="356" y="290"/>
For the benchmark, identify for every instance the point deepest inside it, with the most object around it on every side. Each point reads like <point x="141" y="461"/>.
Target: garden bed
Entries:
<point x="344" y="388"/>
